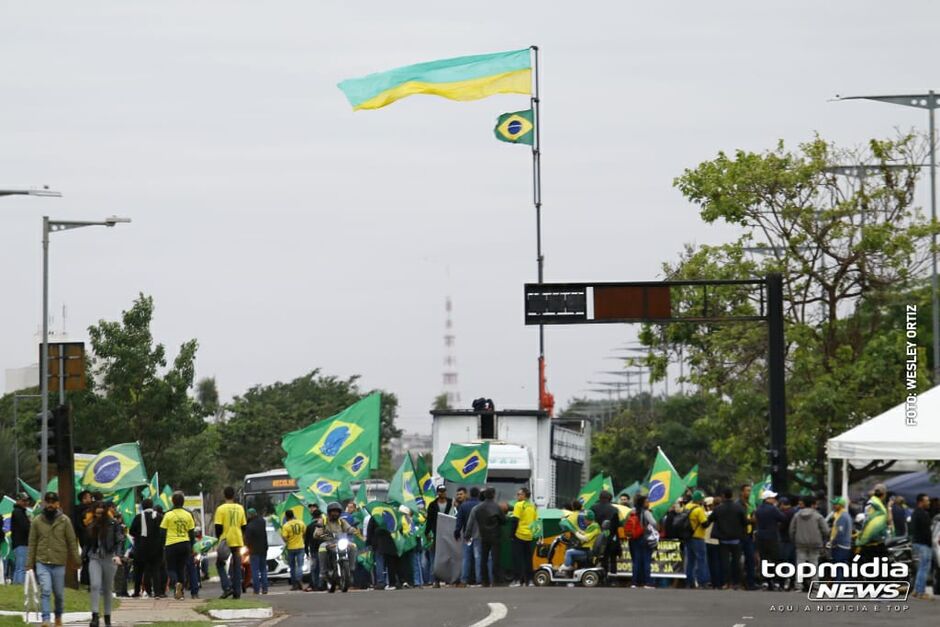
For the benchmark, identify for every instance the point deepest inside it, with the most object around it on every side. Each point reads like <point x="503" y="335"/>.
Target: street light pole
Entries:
<point x="49" y="226"/>
<point x="930" y="102"/>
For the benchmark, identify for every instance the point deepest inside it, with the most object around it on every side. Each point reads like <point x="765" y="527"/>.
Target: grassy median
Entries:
<point x="11" y="599"/>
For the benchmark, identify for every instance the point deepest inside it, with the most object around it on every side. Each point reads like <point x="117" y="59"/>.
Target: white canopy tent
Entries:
<point x="889" y="437"/>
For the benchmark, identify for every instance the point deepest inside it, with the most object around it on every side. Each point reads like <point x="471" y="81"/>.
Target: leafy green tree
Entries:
<point x="24" y="435"/>
<point x="207" y="395"/>
<point x="850" y="252"/>
<point x="133" y="394"/>
<point x="250" y="438"/>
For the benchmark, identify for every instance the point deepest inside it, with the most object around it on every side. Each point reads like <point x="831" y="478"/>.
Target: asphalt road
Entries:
<point x="573" y="607"/>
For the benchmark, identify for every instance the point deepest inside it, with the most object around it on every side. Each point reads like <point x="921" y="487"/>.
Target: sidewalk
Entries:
<point x="135" y="611"/>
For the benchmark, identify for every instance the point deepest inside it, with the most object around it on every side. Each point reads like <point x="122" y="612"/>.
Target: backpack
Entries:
<point x="681" y="526"/>
<point x="633" y="529"/>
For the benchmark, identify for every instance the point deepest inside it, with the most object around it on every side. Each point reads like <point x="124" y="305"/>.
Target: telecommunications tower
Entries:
<point x="450" y="359"/>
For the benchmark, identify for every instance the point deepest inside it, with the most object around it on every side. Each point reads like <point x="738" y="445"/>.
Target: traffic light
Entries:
<point x="58" y="434"/>
<point x="51" y="435"/>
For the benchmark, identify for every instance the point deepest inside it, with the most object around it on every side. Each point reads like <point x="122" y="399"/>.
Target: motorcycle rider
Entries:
<point x="329" y="531"/>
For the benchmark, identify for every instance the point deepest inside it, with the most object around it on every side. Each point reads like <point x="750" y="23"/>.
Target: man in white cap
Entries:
<point x="769" y="518"/>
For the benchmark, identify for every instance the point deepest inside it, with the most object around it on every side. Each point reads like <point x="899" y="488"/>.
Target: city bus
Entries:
<point x="264" y="490"/>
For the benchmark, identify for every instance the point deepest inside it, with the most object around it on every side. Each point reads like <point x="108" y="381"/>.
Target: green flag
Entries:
<point x="589" y="493"/>
<point x="6" y="506"/>
<point x="126" y="502"/>
<point x="425" y="482"/>
<point x="115" y="468"/>
<point x="296" y="503"/>
<point x="152" y="489"/>
<point x="166" y="498"/>
<point x="608" y="484"/>
<point x="385" y="514"/>
<point x="666" y="486"/>
<point x="325" y="488"/>
<point x="691" y="479"/>
<point x="516" y="128"/>
<point x="756" y="490"/>
<point x="403" y="488"/>
<point x="466" y="463"/>
<point x="33" y="493"/>
<point x="327" y="444"/>
<point x="631" y="489"/>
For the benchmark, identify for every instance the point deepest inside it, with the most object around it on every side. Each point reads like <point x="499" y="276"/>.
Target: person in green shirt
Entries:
<point x="524" y="513"/>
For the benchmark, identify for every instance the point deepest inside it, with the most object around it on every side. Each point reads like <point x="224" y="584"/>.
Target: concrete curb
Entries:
<point x="258" y="612"/>
<point x="68" y="617"/>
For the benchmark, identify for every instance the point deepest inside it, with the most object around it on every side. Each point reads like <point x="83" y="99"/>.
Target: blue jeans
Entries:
<point x="295" y="559"/>
<point x="472" y="552"/>
<point x="19" y="569"/>
<point x="417" y="568"/>
<point x="259" y="573"/>
<point x="191" y="572"/>
<point x="696" y="564"/>
<point x="640" y="555"/>
<point x="747" y="547"/>
<point x="224" y="581"/>
<point x="381" y="578"/>
<point x="51" y="578"/>
<point x="575" y="555"/>
<point x="841" y="556"/>
<point x="924" y="557"/>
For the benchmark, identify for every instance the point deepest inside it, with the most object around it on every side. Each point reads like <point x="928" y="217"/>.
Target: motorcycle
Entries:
<point x="338" y="573"/>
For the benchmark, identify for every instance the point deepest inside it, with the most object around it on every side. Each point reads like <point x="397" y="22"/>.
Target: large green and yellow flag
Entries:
<point x="403" y="488"/>
<point x="462" y="78"/>
<point x="115" y="468"/>
<point x="691" y="479"/>
<point x="666" y="486"/>
<point x="348" y="440"/>
<point x="516" y="128"/>
<point x="466" y="463"/>
<point x="296" y="503"/>
<point x="126" y="505"/>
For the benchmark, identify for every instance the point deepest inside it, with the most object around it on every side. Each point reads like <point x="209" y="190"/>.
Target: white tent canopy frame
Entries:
<point x="889" y="436"/>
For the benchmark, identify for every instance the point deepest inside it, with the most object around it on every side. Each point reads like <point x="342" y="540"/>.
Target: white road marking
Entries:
<point x="498" y="612"/>
<point x="740" y="625"/>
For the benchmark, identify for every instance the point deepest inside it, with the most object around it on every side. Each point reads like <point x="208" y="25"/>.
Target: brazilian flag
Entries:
<point x="152" y="489"/>
<point x="326" y="488"/>
<point x="466" y="463"/>
<point x="590" y="492"/>
<point x="425" y="482"/>
<point x="666" y="486"/>
<point x="403" y="488"/>
<point x="115" y="468"/>
<point x="386" y="516"/>
<point x="691" y="479"/>
<point x="516" y="128"/>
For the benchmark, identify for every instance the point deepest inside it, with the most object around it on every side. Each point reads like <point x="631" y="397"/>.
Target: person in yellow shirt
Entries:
<point x="586" y="537"/>
<point x="180" y="534"/>
<point x="230" y="521"/>
<point x="293" y="533"/>
<point x="696" y="563"/>
<point x="524" y="513"/>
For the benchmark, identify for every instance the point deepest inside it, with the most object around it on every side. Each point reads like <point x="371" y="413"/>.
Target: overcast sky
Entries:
<point x="287" y="233"/>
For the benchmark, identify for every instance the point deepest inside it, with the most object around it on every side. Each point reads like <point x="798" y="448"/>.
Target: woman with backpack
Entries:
<point x="105" y="541"/>
<point x="637" y="530"/>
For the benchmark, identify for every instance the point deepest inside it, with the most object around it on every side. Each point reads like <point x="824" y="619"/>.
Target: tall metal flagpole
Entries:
<point x="537" y="200"/>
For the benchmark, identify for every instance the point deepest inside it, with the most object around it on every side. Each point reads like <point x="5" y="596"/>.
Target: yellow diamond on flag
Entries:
<point x="514" y="127"/>
<point x="469" y="465"/>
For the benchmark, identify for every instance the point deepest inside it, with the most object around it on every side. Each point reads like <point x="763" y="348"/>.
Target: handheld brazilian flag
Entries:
<point x="152" y="489"/>
<point x="326" y="488"/>
<point x="515" y="128"/>
<point x="666" y="486"/>
<point x="358" y="465"/>
<point x="331" y="443"/>
<point x="425" y="482"/>
<point x="115" y="468"/>
<point x="403" y="488"/>
<point x="466" y="463"/>
<point x="295" y="503"/>
<point x="126" y="505"/>
<point x="756" y="490"/>
<point x="691" y="479"/>
<point x="386" y="515"/>
<point x="166" y="498"/>
<point x="589" y="493"/>
<point x="461" y="78"/>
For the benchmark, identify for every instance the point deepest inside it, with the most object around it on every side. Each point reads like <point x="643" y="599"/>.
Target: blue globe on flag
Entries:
<point x="514" y="127"/>
<point x="107" y="469"/>
<point x="335" y="440"/>
<point x="324" y="487"/>
<point x="657" y="492"/>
